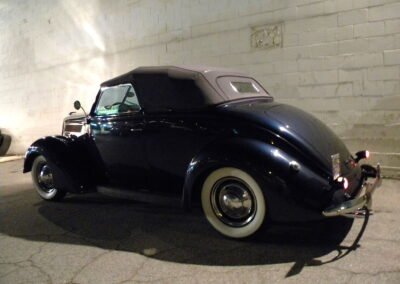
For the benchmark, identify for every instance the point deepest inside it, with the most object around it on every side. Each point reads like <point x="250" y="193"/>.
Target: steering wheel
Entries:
<point x="114" y="104"/>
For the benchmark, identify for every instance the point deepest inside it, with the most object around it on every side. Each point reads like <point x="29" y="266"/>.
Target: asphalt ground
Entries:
<point x="97" y="239"/>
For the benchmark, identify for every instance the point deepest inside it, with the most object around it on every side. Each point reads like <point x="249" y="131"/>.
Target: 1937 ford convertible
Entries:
<point x="205" y="135"/>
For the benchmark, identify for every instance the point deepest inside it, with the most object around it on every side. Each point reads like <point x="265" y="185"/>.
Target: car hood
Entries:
<point x="78" y="118"/>
<point x="305" y="132"/>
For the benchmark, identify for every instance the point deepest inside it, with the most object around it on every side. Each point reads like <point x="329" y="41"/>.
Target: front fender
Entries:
<point x="265" y="161"/>
<point x="52" y="147"/>
<point x="67" y="158"/>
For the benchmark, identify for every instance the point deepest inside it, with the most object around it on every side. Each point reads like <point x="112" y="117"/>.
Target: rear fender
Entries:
<point x="250" y="155"/>
<point x="270" y="165"/>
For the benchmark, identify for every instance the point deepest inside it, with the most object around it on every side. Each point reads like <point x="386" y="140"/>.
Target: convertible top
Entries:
<point x="182" y="87"/>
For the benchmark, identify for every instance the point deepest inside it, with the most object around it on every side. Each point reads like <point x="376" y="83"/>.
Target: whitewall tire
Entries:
<point x="233" y="202"/>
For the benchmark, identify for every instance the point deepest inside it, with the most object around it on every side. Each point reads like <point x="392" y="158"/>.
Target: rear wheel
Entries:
<point x="233" y="202"/>
<point x="42" y="176"/>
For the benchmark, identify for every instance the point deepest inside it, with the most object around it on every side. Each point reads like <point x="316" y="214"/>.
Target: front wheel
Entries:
<point x="233" y="202"/>
<point x="42" y="176"/>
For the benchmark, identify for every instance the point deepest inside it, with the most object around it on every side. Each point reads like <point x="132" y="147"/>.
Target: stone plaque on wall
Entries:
<point x="268" y="36"/>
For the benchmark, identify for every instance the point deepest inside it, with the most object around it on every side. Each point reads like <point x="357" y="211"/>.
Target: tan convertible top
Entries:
<point x="205" y="78"/>
<point x="198" y="85"/>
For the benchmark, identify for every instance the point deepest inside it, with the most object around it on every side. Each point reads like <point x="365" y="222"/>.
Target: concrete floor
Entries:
<point x="94" y="239"/>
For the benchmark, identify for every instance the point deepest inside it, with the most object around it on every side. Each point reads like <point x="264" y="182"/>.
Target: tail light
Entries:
<point x="343" y="182"/>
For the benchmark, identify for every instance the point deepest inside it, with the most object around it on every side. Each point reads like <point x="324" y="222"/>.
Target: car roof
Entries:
<point x="181" y="71"/>
<point x="204" y="77"/>
<point x="182" y="87"/>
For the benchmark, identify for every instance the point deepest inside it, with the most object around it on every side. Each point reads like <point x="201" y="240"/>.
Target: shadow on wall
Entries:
<point x="162" y="233"/>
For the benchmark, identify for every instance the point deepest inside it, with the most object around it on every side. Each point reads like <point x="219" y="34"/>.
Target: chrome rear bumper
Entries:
<point x="354" y="208"/>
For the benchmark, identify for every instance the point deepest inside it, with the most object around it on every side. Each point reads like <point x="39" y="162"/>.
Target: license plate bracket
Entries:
<point x="335" y="166"/>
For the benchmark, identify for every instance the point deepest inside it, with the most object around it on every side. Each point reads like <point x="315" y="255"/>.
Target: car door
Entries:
<point x="117" y="126"/>
<point x="171" y="142"/>
<point x="171" y="131"/>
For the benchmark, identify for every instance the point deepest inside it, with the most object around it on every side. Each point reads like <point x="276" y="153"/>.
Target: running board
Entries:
<point x="139" y="196"/>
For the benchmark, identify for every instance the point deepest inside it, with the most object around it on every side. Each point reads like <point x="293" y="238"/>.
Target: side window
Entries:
<point x="116" y="100"/>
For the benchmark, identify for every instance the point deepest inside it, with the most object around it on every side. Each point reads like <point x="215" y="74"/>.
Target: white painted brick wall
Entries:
<point x="369" y="29"/>
<point x="392" y="57"/>
<point x="353" y="17"/>
<point x="340" y="59"/>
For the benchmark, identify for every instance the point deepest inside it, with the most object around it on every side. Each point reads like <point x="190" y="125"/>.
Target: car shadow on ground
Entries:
<point x="163" y="233"/>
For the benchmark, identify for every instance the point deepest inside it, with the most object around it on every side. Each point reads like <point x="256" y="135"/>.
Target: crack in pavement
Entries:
<point x="136" y="272"/>
<point x="34" y="265"/>
<point x="361" y="273"/>
<point x="383" y="240"/>
<point x="9" y="272"/>
<point x="194" y="274"/>
<point x="377" y="274"/>
<point x="30" y="261"/>
<point x="88" y="263"/>
<point x="50" y="280"/>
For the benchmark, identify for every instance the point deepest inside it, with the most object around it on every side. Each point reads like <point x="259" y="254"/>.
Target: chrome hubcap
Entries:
<point x="233" y="202"/>
<point x="45" y="179"/>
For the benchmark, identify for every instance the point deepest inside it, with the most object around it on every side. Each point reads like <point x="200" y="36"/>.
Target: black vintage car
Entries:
<point x="203" y="135"/>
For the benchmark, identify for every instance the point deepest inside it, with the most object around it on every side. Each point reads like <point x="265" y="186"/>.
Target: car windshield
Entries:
<point x="235" y="87"/>
<point x="116" y="100"/>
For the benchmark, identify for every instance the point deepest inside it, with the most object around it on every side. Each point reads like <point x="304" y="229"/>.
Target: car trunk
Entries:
<point x="302" y="130"/>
